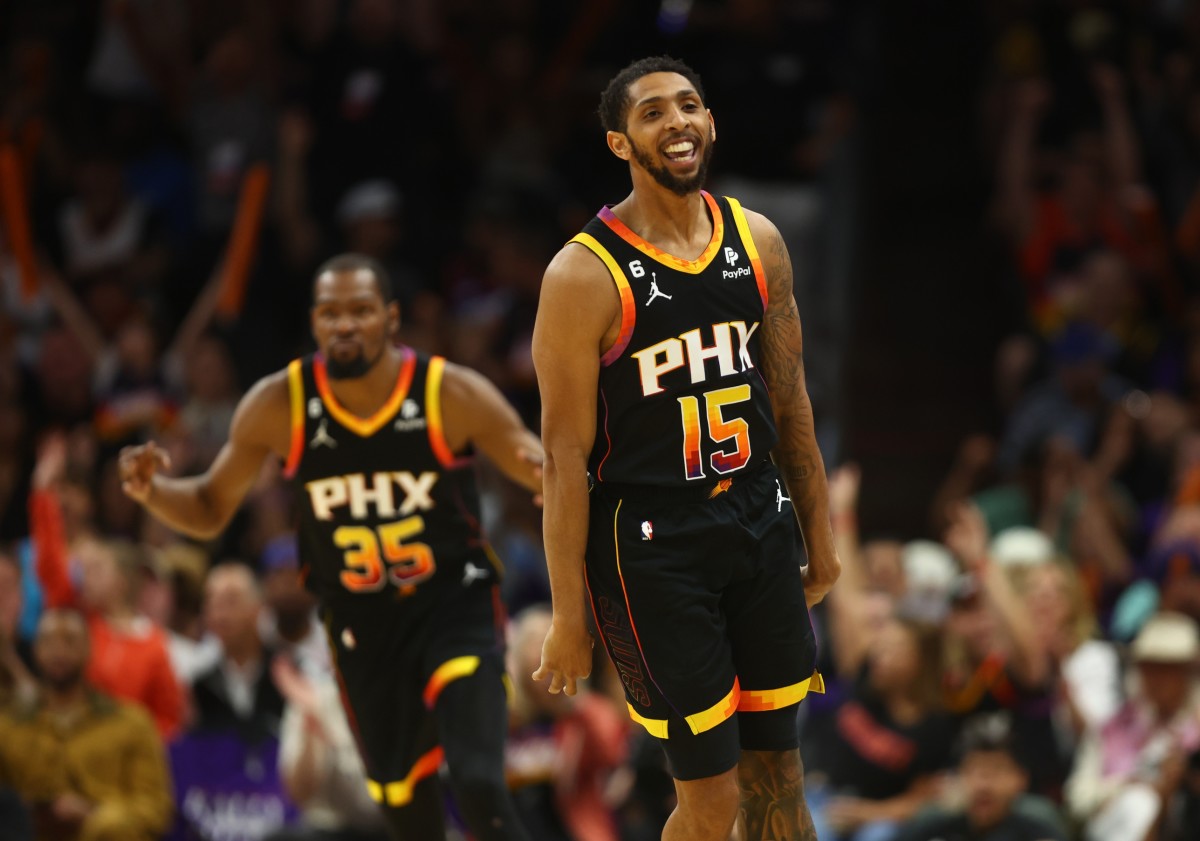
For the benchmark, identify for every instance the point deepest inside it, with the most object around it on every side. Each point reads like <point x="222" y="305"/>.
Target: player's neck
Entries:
<point x="364" y="395"/>
<point x="677" y="224"/>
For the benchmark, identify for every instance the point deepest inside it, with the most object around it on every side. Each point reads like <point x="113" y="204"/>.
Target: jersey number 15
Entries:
<point x="719" y="430"/>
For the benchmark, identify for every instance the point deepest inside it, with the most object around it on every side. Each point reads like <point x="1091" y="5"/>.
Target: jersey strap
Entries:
<point x="628" y="306"/>
<point x="295" y="376"/>
<point x="743" y="229"/>
<point x="433" y="413"/>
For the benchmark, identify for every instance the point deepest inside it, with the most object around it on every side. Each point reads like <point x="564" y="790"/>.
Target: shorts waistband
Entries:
<point x="693" y="492"/>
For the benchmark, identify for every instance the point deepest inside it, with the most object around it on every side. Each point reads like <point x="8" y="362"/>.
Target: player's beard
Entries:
<point x="677" y="185"/>
<point x="350" y="369"/>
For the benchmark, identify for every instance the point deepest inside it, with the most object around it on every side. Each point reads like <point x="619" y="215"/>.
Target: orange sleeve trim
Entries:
<point x="296" y="400"/>
<point x="400" y="792"/>
<point x="743" y="229"/>
<point x="50" y="548"/>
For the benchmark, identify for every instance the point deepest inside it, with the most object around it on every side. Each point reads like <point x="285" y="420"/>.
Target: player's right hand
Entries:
<point x="137" y="466"/>
<point x="566" y="657"/>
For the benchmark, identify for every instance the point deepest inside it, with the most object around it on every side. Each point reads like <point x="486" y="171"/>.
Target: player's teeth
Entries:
<point x="678" y="148"/>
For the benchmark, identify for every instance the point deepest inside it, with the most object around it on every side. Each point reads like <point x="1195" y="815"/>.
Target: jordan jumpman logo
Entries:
<point x="655" y="292"/>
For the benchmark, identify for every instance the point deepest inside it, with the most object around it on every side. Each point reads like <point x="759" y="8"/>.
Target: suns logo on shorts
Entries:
<point x="647" y="530"/>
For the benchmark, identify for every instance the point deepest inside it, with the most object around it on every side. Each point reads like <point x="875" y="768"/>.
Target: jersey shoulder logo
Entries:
<point x="314" y="407"/>
<point x="655" y="292"/>
<point x="731" y="256"/>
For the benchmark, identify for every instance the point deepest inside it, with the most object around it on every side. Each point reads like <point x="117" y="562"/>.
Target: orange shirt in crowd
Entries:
<point x="132" y="664"/>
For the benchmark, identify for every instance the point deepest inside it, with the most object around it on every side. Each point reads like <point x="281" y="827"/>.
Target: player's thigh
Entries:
<point x="774" y="649"/>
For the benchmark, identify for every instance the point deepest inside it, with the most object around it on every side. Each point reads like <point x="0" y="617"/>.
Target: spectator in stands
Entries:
<point x="1065" y="623"/>
<point x="875" y="760"/>
<point x="129" y="653"/>
<point x="91" y="766"/>
<point x="237" y="694"/>
<point x="994" y="660"/>
<point x="288" y="622"/>
<point x="16" y="683"/>
<point x="1129" y="769"/>
<point x="319" y="762"/>
<point x="561" y="750"/>
<point x="994" y="784"/>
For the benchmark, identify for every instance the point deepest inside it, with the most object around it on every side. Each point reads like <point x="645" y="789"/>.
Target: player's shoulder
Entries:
<point x="264" y="408"/>
<point x="761" y="227"/>
<point x="577" y="266"/>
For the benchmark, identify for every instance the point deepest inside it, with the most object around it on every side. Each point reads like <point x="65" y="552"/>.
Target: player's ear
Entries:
<point x="393" y="318"/>
<point x="619" y="144"/>
<point x="712" y="126"/>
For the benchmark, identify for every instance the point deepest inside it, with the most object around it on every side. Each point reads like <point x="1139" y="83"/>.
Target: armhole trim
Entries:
<point x="433" y="414"/>
<point x="743" y="228"/>
<point x="628" y="307"/>
<point x="295" y="376"/>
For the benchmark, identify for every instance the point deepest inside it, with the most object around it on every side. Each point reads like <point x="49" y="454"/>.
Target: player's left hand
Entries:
<point x="534" y="460"/>
<point x="566" y="657"/>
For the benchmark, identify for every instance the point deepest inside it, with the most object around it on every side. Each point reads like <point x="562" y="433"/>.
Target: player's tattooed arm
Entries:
<point x="796" y="455"/>
<point x="773" y="807"/>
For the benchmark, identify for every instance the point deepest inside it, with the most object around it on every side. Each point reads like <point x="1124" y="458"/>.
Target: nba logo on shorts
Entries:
<point x="647" y="530"/>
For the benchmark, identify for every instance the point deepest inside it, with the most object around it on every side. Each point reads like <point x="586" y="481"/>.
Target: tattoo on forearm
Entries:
<point x="782" y="357"/>
<point x="773" y="807"/>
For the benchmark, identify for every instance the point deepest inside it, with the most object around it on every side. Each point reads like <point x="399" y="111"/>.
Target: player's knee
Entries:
<point x="712" y="801"/>
<point x="478" y="785"/>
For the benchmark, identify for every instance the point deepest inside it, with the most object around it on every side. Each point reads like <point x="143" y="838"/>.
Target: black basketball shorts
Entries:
<point x="394" y="663"/>
<point x="700" y="603"/>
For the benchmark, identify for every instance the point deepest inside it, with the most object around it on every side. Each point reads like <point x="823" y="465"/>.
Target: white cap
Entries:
<point x="928" y="566"/>
<point x="1021" y="546"/>
<point x="1167" y="637"/>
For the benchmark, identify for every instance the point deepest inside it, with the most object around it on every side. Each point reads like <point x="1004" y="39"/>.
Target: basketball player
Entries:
<point x="668" y="352"/>
<point x="377" y="439"/>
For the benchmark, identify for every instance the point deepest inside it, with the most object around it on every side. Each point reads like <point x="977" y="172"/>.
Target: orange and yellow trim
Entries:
<point x="670" y="260"/>
<point x="763" y="700"/>
<point x="366" y="427"/>
<point x="718" y="713"/>
<point x="743" y="229"/>
<point x="628" y="305"/>
<point x="433" y="413"/>
<point x="295" y="377"/>
<point x="443" y="675"/>
<point x="656" y="727"/>
<point x="400" y="792"/>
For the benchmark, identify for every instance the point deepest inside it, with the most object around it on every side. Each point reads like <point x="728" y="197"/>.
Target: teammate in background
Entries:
<point x="668" y="353"/>
<point x="377" y="440"/>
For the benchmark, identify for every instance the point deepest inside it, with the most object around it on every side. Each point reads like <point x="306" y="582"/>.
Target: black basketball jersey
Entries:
<point x="681" y="398"/>
<point x="387" y="511"/>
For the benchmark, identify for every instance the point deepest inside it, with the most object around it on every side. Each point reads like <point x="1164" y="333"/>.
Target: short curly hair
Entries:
<point x="614" y="102"/>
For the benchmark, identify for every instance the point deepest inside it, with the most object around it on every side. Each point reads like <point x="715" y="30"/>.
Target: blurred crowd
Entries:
<point x="171" y="173"/>
<point x="1024" y="670"/>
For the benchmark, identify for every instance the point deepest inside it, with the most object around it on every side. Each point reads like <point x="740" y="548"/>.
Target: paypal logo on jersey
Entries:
<point x="731" y="258"/>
